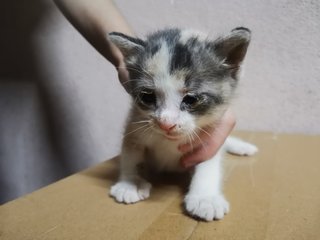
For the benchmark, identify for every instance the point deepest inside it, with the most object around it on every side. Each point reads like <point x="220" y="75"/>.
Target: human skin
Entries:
<point x="209" y="141"/>
<point x="94" y="19"/>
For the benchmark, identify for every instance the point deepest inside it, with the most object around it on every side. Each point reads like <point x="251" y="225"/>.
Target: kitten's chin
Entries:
<point x="176" y="137"/>
<point x="173" y="137"/>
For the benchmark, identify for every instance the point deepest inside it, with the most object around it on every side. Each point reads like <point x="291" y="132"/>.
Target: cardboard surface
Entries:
<point x="273" y="195"/>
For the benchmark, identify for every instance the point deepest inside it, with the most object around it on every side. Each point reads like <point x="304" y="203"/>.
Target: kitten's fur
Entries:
<point x="181" y="82"/>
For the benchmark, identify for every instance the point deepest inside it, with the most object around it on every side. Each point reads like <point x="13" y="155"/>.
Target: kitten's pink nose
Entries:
<point x="166" y="127"/>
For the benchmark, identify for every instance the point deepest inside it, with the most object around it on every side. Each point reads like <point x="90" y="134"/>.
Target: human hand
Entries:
<point x="209" y="142"/>
<point x="123" y="74"/>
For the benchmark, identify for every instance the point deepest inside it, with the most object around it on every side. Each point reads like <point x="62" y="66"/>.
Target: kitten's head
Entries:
<point x="181" y="79"/>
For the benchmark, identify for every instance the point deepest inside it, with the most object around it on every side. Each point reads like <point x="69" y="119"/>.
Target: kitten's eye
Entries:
<point x="191" y="100"/>
<point x="147" y="97"/>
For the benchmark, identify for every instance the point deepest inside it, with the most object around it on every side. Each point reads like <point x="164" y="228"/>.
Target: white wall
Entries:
<point x="280" y="88"/>
<point x="62" y="108"/>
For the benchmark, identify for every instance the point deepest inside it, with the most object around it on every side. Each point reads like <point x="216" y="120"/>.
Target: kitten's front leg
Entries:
<point x="205" y="199"/>
<point x="130" y="187"/>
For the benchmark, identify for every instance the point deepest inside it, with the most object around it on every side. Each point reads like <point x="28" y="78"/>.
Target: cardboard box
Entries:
<point x="273" y="195"/>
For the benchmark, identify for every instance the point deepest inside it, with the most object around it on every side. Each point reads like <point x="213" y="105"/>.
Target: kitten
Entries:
<point x="181" y="81"/>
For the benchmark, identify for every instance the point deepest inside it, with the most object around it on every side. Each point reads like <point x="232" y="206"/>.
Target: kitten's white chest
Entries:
<point x="164" y="155"/>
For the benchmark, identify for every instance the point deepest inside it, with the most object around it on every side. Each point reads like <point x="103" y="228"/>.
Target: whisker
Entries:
<point x="201" y="129"/>
<point x="146" y="130"/>
<point x="192" y="136"/>
<point x="190" y="140"/>
<point x="195" y="134"/>
<point x="139" y="128"/>
<point x="202" y="144"/>
<point x="142" y="121"/>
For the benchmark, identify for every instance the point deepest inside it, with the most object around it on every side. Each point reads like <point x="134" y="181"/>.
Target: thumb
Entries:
<point x="123" y="76"/>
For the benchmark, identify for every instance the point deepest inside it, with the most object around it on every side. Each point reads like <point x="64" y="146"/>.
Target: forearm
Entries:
<point x="94" y="19"/>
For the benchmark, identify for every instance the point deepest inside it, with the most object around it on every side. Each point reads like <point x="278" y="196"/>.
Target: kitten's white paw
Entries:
<point x="207" y="207"/>
<point x="130" y="191"/>
<point x="246" y="149"/>
<point x="239" y="147"/>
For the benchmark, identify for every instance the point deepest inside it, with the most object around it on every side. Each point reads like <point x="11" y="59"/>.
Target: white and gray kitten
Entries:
<point x="181" y="81"/>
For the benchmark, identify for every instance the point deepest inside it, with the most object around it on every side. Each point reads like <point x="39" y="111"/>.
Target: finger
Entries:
<point x="203" y="138"/>
<point x="213" y="144"/>
<point x="123" y="74"/>
<point x="192" y="158"/>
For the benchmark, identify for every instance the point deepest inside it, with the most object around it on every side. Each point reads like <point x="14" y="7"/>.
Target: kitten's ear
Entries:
<point x="127" y="45"/>
<point x="233" y="48"/>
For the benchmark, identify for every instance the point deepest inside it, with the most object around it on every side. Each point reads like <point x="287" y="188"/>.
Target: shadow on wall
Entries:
<point x="40" y="137"/>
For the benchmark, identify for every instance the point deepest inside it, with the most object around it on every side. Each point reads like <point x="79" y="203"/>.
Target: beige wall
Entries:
<point x="62" y="108"/>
